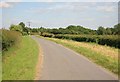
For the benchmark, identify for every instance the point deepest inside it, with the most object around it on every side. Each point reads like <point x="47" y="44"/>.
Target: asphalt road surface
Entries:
<point x="60" y="63"/>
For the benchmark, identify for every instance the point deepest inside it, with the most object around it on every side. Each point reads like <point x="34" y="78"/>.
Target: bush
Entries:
<point x="48" y="35"/>
<point x="9" y="38"/>
<point x="109" y="40"/>
<point x="24" y="33"/>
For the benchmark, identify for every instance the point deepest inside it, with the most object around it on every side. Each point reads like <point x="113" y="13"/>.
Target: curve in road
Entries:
<point x="60" y="63"/>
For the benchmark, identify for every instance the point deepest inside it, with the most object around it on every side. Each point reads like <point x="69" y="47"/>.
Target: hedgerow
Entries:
<point x="9" y="38"/>
<point x="109" y="40"/>
<point x="48" y="35"/>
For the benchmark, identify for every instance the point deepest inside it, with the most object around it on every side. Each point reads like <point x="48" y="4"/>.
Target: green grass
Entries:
<point x="0" y="66"/>
<point x="99" y="54"/>
<point x="19" y="62"/>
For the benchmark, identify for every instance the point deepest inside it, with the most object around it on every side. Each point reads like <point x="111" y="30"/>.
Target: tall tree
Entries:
<point x="117" y="29"/>
<point x="22" y="24"/>
<point x="16" y="28"/>
<point x="108" y="31"/>
<point x="25" y="29"/>
<point x="101" y="31"/>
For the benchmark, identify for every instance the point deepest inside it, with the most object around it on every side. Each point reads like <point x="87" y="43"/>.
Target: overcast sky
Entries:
<point x="59" y="14"/>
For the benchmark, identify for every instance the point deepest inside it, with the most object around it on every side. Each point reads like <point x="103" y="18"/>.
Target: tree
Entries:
<point x="22" y="24"/>
<point x="23" y="27"/>
<point x="16" y="28"/>
<point x="26" y="30"/>
<point x="71" y="27"/>
<point x="108" y="31"/>
<point x="41" y="30"/>
<point x="101" y="31"/>
<point x="55" y="31"/>
<point x="34" y="30"/>
<point x="117" y="29"/>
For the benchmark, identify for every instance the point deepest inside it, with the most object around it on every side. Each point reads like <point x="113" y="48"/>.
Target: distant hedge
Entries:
<point x="109" y="40"/>
<point x="9" y="38"/>
<point x="48" y="35"/>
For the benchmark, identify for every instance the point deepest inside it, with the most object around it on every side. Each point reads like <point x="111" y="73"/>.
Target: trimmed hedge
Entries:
<point x="9" y="38"/>
<point x="48" y="35"/>
<point x="109" y="40"/>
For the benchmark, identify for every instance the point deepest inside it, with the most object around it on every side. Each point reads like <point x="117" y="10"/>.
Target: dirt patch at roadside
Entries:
<point x="39" y="64"/>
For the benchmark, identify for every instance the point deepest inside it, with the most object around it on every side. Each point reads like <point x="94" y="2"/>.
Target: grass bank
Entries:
<point x="0" y="66"/>
<point x="105" y="56"/>
<point x="19" y="61"/>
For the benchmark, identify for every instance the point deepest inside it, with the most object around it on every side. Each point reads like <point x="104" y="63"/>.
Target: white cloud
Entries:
<point x="70" y="0"/>
<point x="44" y="0"/>
<point x="106" y="8"/>
<point x="12" y="0"/>
<point x="61" y="0"/>
<point x="64" y="7"/>
<point x="5" y="5"/>
<point x="8" y="3"/>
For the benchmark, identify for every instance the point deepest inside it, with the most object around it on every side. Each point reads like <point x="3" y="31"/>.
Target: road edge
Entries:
<point x="99" y="66"/>
<point x="39" y="64"/>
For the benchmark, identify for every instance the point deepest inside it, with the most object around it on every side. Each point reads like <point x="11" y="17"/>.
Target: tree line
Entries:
<point x="13" y="36"/>
<point x="71" y="29"/>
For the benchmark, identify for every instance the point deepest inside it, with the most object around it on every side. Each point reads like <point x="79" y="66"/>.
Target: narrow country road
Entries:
<point x="60" y="63"/>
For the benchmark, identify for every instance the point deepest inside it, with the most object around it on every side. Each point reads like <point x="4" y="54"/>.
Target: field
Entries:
<point x="20" y="60"/>
<point x="105" y="56"/>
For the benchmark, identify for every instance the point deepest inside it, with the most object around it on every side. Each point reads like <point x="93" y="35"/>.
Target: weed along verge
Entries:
<point x="39" y="64"/>
<point x="19" y="62"/>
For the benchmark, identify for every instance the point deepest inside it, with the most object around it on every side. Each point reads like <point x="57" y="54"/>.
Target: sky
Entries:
<point x="55" y="14"/>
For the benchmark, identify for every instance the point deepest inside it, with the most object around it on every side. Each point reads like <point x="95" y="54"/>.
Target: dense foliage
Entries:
<point x="12" y="36"/>
<point x="109" y="31"/>
<point x="69" y="30"/>
<point x="9" y="38"/>
<point x="20" y="28"/>
<point x="16" y="28"/>
<point x="103" y="36"/>
<point x="72" y="29"/>
<point x="110" y="40"/>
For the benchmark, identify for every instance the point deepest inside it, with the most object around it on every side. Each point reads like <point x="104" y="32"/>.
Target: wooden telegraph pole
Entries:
<point x="29" y="23"/>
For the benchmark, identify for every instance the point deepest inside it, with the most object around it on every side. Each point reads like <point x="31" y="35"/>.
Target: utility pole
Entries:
<point x="29" y="23"/>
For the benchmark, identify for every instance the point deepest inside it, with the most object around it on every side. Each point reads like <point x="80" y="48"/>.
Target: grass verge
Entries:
<point x="19" y="61"/>
<point x="105" y="56"/>
<point x="0" y="66"/>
